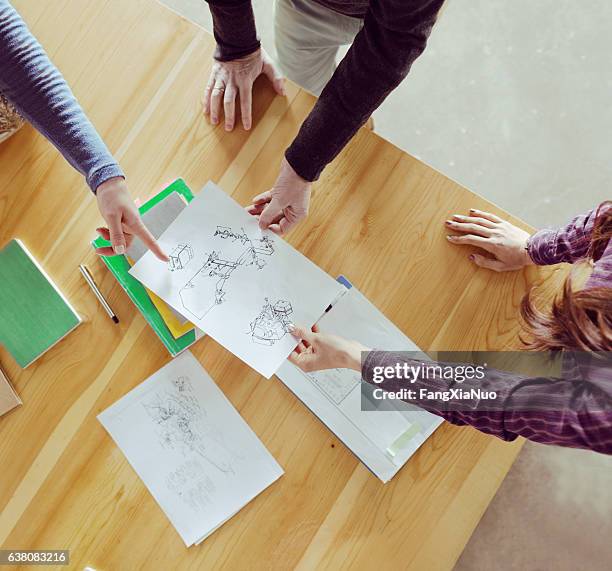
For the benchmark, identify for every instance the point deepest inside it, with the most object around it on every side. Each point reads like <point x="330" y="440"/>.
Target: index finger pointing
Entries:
<point x="149" y="241"/>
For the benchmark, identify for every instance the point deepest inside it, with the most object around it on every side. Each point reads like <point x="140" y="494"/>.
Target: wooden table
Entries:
<point x="139" y="70"/>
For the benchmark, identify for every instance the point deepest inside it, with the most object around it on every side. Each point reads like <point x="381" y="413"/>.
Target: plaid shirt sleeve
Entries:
<point x="565" y="411"/>
<point x="569" y="243"/>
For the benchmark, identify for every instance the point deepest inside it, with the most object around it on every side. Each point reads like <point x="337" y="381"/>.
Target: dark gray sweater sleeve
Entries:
<point x="394" y="35"/>
<point x="34" y="85"/>
<point x="234" y="28"/>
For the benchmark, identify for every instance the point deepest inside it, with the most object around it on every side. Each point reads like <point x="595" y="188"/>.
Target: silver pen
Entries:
<point x="92" y="284"/>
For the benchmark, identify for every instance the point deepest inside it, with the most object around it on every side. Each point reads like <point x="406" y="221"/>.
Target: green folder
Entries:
<point x="120" y="266"/>
<point x="34" y="315"/>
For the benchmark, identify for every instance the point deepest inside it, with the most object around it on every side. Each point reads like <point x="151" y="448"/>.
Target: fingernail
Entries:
<point x="451" y="238"/>
<point x="228" y="127"/>
<point x="214" y="120"/>
<point x="472" y="257"/>
<point x="119" y="250"/>
<point x="448" y="223"/>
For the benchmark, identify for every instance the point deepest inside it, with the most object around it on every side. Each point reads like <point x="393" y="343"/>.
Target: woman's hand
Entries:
<point x="228" y="79"/>
<point x="506" y="242"/>
<point x="317" y="351"/>
<point x="123" y="219"/>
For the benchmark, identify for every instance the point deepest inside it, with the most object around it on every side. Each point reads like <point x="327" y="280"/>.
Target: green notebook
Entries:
<point x="120" y="266"/>
<point x="34" y="315"/>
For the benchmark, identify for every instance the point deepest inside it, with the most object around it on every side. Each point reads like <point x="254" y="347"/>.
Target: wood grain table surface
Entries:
<point x="377" y="216"/>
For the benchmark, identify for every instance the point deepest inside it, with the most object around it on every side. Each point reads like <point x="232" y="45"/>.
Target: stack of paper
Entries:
<point x="382" y="439"/>
<point x="196" y="455"/>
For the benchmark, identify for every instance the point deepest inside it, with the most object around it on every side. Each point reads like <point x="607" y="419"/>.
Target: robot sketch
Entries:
<point x="255" y="250"/>
<point x="180" y="257"/>
<point x="219" y="268"/>
<point x="272" y="322"/>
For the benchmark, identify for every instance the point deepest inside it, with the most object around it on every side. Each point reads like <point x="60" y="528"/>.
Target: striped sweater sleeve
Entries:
<point x="34" y="85"/>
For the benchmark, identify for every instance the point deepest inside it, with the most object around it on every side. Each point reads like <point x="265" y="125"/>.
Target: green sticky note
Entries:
<point x="34" y="314"/>
<point x="403" y="439"/>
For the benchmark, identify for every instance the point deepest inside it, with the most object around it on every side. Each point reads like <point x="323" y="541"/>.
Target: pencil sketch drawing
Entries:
<point x="335" y="384"/>
<point x="181" y="425"/>
<point x="272" y="323"/>
<point x="192" y="485"/>
<point x="208" y="287"/>
<point x="180" y="257"/>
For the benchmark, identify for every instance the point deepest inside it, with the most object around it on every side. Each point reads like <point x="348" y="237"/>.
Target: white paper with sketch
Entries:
<point x="382" y="439"/>
<point x="193" y="451"/>
<point x="157" y="219"/>
<point x="239" y="285"/>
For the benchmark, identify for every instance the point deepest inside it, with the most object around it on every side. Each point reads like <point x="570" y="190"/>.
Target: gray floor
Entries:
<point x="512" y="99"/>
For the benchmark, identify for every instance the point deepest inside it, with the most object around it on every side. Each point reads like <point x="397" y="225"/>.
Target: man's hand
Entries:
<point x="124" y="223"/>
<point x="286" y="204"/>
<point x="506" y="242"/>
<point x="229" y="79"/>
<point x="318" y="351"/>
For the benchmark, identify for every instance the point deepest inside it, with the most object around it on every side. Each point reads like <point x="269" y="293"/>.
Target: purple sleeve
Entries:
<point x="601" y="277"/>
<point x="234" y="28"/>
<point x="37" y="89"/>
<point x="569" y="243"/>
<point x="565" y="412"/>
<point x="394" y="35"/>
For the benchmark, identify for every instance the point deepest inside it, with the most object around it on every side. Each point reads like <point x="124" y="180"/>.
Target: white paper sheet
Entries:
<point x="157" y="220"/>
<point x="193" y="451"/>
<point x="382" y="440"/>
<point x="239" y="285"/>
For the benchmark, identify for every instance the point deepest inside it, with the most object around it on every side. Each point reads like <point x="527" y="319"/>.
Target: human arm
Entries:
<point x="564" y="411"/>
<point x="239" y="60"/>
<point x="511" y="248"/>
<point x="568" y="243"/>
<point x="569" y="411"/>
<point x="393" y="36"/>
<point x="35" y="86"/>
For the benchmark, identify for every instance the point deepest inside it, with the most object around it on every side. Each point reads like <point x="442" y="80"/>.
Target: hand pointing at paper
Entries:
<point x="123" y="219"/>
<point x="39" y="92"/>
